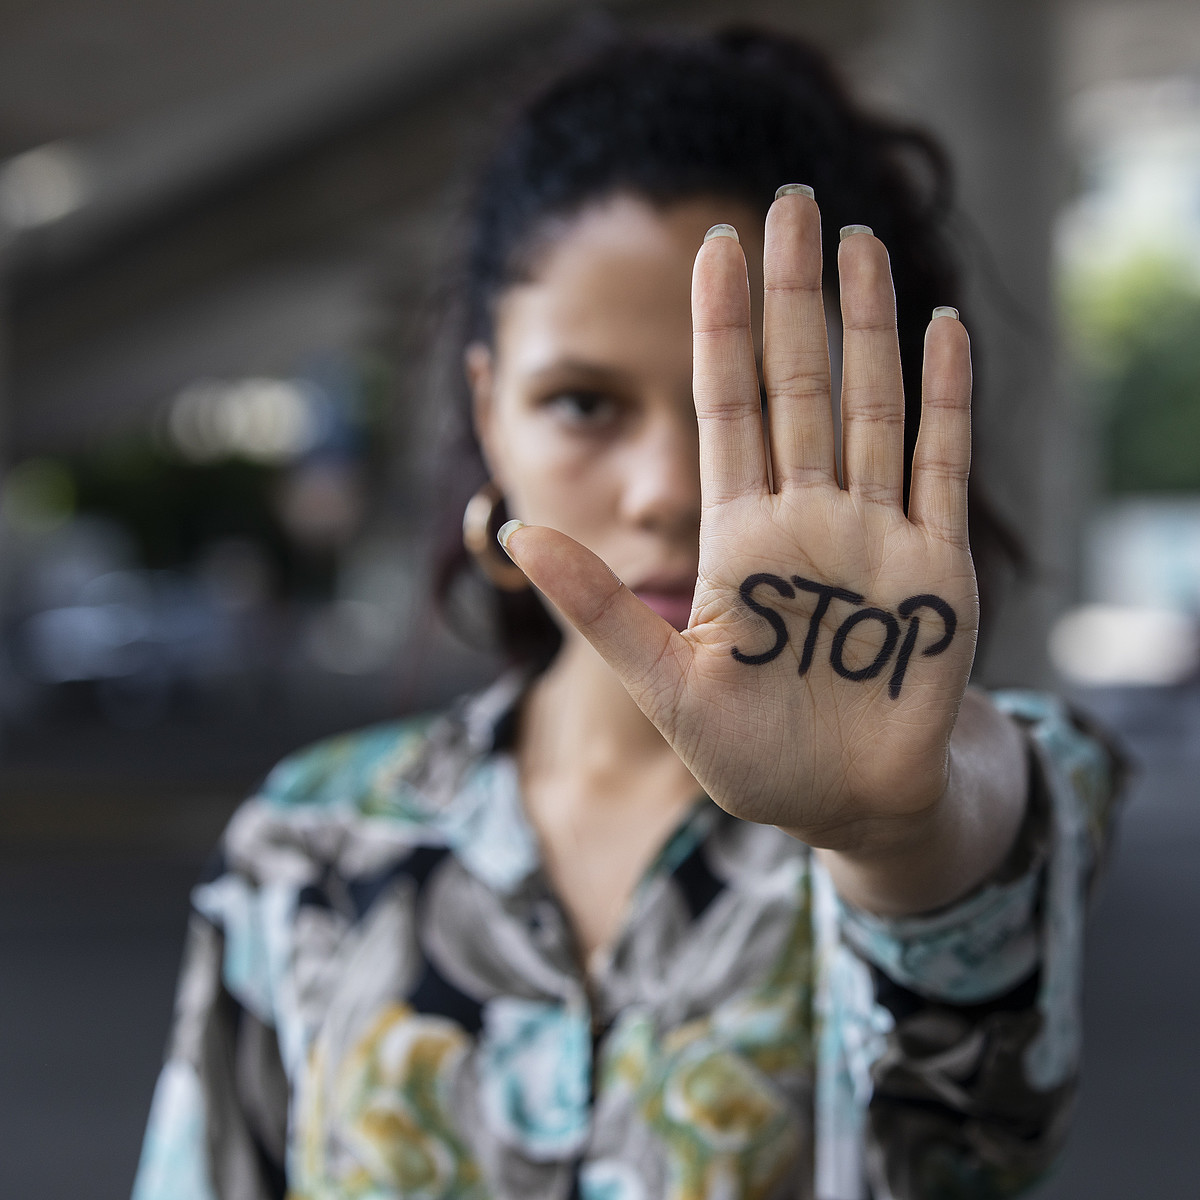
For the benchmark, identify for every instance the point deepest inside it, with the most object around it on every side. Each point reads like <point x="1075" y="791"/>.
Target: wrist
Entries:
<point x="927" y="859"/>
<point x="906" y="864"/>
<point x="882" y="835"/>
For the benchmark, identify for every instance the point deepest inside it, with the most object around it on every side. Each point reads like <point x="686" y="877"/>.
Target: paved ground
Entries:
<point x="1137" y="1136"/>
<point x="92" y="910"/>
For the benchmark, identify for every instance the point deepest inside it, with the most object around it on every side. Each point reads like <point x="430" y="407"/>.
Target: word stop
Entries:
<point x="889" y="627"/>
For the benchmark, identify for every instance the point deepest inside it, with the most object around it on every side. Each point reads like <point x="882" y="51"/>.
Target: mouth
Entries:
<point x="671" y="599"/>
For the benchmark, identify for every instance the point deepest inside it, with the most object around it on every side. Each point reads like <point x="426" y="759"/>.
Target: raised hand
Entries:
<point x="820" y="677"/>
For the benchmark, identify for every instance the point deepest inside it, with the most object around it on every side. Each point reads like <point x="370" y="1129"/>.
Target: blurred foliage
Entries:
<point x="173" y="509"/>
<point x="38" y="496"/>
<point x="175" y="505"/>
<point x="1136" y="337"/>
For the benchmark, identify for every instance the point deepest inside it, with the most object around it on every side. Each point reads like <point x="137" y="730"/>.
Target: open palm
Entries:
<point x="832" y="633"/>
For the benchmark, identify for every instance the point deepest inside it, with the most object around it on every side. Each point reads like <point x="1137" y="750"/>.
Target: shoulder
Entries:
<point x="404" y="769"/>
<point x="1079" y="764"/>
<point x="357" y="802"/>
<point x="338" y="809"/>
<point x="357" y="772"/>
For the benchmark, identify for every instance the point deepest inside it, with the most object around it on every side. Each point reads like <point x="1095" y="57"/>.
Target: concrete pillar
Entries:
<point x="982" y="75"/>
<point x="5" y="450"/>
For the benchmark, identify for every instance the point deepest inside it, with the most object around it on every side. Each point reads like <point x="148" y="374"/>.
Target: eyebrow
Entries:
<point x="603" y="374"/>
<point x="580" y="367"/>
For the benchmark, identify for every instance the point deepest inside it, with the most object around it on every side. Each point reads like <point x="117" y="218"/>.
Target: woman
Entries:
<point x="732" y="889"/>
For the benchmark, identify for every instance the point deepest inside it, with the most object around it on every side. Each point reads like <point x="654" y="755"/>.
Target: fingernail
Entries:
<point x="795" y="189"/>
<point x="722" y="231"/>
<point x="945" y="311"/>
<point x="506" y="531"/>
<point x="848" y="230"/>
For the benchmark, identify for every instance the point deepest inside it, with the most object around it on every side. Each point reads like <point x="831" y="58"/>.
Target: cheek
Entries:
<point x="554" y="480"/>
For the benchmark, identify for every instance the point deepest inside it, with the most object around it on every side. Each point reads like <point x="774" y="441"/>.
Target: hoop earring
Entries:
<point x="479" y="537"/>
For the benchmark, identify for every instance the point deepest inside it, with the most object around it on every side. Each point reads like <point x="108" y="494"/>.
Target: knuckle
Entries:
<point x="793" y="287"/>
<point x="882" y="323"/>
<point x="942" y="401"/>
<point x="604" y="607"/>
<point x="942" y="469"/>
<point x="875" y="413"/>
<point x="716" y="328"/>
<point x="797" y="380"/>
<point x="729" y="413"/>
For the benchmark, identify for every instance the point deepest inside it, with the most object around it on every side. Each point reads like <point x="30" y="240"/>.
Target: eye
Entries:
<point x="582" y="408"/>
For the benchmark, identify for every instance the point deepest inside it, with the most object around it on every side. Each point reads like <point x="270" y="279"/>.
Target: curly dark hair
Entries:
<point x="667" y="118"/>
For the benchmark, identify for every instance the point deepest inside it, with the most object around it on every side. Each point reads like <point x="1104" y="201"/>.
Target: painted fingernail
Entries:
<point x="795" y="189"/>
<point x="849" y="230"/>
<point x="945" y="311"/>
<point x="506" y="531"/>
<point x="722" y="231"/>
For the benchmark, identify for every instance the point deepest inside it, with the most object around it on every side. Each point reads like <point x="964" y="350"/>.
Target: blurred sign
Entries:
<point x="1145" y="551"/>
<point x="1142" y="580"/>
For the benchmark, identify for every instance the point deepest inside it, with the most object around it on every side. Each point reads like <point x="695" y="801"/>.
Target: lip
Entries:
<point x="670" y="598"/>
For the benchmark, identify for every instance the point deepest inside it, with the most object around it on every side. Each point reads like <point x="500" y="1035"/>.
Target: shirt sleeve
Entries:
<point x="217" y="1124"/>
<point x="950" y="1041"/>
<point x="261" y="957"/>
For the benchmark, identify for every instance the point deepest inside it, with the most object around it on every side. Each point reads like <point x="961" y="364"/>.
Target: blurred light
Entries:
<point x="100" y="641"/>
<point x="1110" y="644"/>
<point x="1143" y="551"/>
<point x="352" y="637"/>
<point x="192" y="425"/>
<point x="267" y="419"/>
<point x="41" y="186"/>
<point x="38" y="496"/>
<point x="322" y="503"/>
<point x="264" y="420"/>
<point x="1139" y="143"/>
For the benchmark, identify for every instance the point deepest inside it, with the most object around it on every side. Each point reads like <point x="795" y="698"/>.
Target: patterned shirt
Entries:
<point x="381" y="998"/>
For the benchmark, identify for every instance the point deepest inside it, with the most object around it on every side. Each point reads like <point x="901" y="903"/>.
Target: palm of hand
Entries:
<point x="832" y="633"/>
<point x="834" y="710"/>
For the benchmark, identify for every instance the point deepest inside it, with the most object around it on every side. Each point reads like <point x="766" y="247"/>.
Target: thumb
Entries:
<point x="644" y="650"/>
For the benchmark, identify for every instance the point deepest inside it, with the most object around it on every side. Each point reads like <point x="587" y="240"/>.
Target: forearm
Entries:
<point x="905" y="865"/>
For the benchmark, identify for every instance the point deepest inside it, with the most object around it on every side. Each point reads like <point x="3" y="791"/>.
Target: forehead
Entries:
<point x="615" y="280"/>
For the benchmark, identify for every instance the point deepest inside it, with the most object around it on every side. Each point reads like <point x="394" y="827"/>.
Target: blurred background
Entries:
<point x="223" y="233"/>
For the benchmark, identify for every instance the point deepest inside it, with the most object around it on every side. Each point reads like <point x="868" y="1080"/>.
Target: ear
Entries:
<point x="478" y="364"/>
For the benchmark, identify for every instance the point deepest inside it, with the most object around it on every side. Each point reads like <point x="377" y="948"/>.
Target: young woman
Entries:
<point x="731" y="888"/>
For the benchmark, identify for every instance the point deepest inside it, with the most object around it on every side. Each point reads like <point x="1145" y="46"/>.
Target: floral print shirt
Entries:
<point x="381" y="999"/>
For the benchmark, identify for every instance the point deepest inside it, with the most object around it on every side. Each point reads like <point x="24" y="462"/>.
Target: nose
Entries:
<point x="661" y="491"/>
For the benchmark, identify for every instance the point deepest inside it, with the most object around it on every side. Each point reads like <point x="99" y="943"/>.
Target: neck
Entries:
<point x="601" y="787"/>
<point x="579" y="719"/>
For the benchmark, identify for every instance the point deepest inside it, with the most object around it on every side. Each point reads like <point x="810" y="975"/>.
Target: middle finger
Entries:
<point x="795" y="344"/>
<point x="872" y="386"/>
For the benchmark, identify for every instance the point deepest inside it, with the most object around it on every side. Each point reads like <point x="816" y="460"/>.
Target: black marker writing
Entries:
<point x="909" y="609"/>
<point x="890" y="638"/>
<point x="826" y="594"/>
<point x="769" y="615"/>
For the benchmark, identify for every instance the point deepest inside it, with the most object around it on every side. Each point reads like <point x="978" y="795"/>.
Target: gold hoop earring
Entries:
<point x="479" y="537"/>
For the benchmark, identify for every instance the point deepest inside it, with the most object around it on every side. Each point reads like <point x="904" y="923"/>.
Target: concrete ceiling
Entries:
<point x="81" y="68"/>
<point x="73" y="69"/>
<point x="182" y="118"/>
<point x="157" y="97"/>
<point x="224" y="148"/>
<point x="147" y="102"/>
